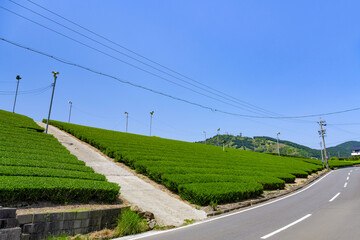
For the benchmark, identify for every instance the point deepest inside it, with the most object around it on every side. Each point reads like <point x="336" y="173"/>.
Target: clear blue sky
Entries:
<point x="289" y="57"/>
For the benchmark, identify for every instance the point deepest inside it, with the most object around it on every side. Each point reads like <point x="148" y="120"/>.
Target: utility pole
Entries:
<point x="70" y="102"/>
<point x="151" y="114"/>
<point x="17" y="87"/>
<point x="127" y="119"/>
<point x="322" y="156"/>
<point x="254" y="144"/>
<point x="322" y="133"/>
<point x="218" y="136"/>
<point x="205" y="136"/>
<point x="277" y="136"/>
<point x="52" y="96"/>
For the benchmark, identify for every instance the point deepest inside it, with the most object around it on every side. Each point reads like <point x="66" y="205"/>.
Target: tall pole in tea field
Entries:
<point x="151" y="114"/>
<point x="52" y="96"/>
<point x="70" y="102"/>
<point x="277" y="136"/>
<point x="218" y="136"/>
<point x="127" y="119"/>
<point x="17" y="87"/>
<point x="205" y="136"/>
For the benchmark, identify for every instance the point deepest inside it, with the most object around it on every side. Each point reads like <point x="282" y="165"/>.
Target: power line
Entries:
<point x="32" y="91"/>
<point x="127" y="63"/>
<point x="171" y="96"/>
<point x="222" y="94"/>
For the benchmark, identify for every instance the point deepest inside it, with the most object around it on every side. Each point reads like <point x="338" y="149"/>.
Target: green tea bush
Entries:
<point x="186" y="168"/>
<point x="36" y="167"/>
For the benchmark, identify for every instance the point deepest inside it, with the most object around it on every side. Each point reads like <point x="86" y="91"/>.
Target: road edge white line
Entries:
<point x="286" y="227"/>
<point x="223" y="216"/>
<point x="334" y="197"/>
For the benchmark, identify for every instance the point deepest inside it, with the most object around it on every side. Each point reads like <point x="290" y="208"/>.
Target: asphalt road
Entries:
<point x="327" y="209"/>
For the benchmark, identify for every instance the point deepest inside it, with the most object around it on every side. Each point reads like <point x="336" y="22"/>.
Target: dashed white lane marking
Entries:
<point x="345" y="185"/>
<point x="334" y="197"/>
<point x="287" y="226"/>
<point x="351" y="170"/>
<point x="347" y="178"/>
<point x="349" y="174"/>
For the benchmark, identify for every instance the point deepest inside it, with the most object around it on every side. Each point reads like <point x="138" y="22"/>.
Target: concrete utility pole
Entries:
<point x="52" y="96"/>
<point x="17" y="87"/>
<point x="322" y="156"/>
<point x="218" y="136"/>
<point x="254" y="144"/>
<point x="322" y="133"/>
<point x="70" y="102"/>
<point x="151" y="114"/>
<point x="205" y="136"/>
<point x="277" y="136"/>
<point x="127" y="119"/>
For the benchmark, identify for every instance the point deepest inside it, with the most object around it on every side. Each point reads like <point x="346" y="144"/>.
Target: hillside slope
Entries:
<point x="265" y="144"/>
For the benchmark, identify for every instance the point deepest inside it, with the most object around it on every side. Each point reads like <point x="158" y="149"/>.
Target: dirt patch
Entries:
<point x="47" y="207"/>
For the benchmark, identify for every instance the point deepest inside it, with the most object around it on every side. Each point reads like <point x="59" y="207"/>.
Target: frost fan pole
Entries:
<point x="52" y="96"/>
<point x="17" y="87"/>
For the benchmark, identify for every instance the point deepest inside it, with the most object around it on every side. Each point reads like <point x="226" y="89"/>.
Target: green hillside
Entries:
<point x="265" y="144"/>
<point x="35" y="167"/>
<point x="199" y="173"/>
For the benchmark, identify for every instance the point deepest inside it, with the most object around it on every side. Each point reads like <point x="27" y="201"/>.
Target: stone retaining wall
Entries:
<point x="9" y="229"/>
<point x="42" y="225"/>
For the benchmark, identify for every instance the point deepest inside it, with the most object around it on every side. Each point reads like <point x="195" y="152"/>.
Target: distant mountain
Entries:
<point x="269" y="145"/>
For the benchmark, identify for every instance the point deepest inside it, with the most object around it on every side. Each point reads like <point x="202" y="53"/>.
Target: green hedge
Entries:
<point x="221" y="192"/>
<point x="33" y="189"/>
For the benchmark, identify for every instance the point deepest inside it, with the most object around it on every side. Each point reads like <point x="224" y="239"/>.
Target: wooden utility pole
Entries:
<point x="322" y="132"/>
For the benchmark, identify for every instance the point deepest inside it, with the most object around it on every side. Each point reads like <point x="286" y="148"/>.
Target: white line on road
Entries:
<point x="287" y="226"/>
<point x="334" y="197"/>
<point x="350" y="170"/>
<point x="349" y="174"/>
<point x="345" y="184"/>
<point x="347" y="178"/>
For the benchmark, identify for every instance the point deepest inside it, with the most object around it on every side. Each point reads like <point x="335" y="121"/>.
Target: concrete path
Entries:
<point x="167" y="210"/>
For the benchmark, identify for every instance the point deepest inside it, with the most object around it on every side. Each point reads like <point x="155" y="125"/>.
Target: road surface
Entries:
<point x="327" y="209"/>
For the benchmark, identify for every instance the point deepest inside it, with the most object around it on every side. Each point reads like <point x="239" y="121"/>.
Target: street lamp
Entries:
<point x="17" y="86"/>
<point x="205" y="136"/>
<point x="127" y="118"/>
<point x="151" y="114"/>
<point x="277" y="136"/>
<point x="70" y="102"/>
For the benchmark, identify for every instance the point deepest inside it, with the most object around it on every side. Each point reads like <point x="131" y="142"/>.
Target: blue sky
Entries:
<point x="289" y="57"/>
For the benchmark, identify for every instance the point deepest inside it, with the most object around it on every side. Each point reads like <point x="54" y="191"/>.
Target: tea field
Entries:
<point x="199" y="173"/>
<point x="35" y="167"/>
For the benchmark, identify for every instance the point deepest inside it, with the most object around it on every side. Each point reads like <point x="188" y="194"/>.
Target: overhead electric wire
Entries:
<point x="222" y="94"/>
<point x="32" y="91"/>
<point x="118" y="59"/>
<point x="168" y="95"/>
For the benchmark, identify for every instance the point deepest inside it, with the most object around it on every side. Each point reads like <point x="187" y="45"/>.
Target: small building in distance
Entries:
<point x="355" y="151"/>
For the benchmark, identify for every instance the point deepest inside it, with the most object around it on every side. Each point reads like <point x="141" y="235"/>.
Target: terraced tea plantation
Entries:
<point x="36" y="167"/>
<point x="198" y="173"/>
